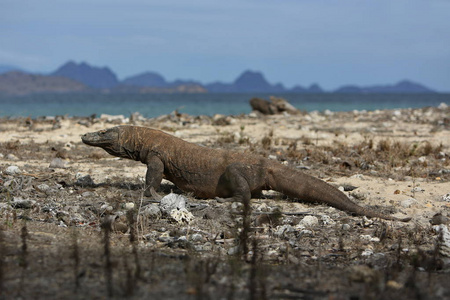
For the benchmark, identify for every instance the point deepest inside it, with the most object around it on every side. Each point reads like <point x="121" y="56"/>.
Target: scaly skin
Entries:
<point x="209" y="173"/>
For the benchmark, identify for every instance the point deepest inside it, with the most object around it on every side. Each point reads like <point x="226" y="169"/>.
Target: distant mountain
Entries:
<point x="100" y="78"/>
<point x="104" y="80"/>
<point x="8" y="68"/>
<point x="247" y="82"/>
<point x="313" y="88"/>
<point x="148" y="79"/>
<point x="404" y="86"/>
<point x="20" y="83"/>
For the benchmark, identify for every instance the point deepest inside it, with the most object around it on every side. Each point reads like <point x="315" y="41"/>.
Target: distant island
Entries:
<point x="81" y="77"/>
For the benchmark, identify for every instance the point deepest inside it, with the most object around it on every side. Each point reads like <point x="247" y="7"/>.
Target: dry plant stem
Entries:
<point x="106" y="226"/>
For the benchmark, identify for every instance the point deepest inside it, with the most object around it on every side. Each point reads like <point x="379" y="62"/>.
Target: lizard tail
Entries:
<point x="301" y="186"/>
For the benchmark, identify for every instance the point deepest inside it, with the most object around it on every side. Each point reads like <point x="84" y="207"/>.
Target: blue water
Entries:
<point x="152" y="105"/>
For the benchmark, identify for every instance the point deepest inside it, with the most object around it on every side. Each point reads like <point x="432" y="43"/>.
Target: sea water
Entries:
<point x="153" y="105"/>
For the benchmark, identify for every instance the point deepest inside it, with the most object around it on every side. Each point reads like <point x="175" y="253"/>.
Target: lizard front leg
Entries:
<point x="154" y="175"/>
<point x="234" y="183"/>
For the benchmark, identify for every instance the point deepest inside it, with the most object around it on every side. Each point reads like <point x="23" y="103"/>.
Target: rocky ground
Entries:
<point x="74" y="222"/>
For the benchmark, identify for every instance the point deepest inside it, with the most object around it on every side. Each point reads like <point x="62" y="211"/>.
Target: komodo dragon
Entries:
<point x="209" y="173"/>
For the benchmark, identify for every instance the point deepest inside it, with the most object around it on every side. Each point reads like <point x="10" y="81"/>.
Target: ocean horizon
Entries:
<point x="153" y="105"/>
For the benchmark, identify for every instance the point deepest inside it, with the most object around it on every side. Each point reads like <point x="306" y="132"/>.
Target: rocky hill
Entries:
<point x="404" y="86"/>
<point x="82" y="76"/>
<point x="20" y="83"/>
<point x="95" y="77"/>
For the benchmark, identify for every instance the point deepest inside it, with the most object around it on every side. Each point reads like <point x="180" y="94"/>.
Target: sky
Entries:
<point x="295" y="42"/>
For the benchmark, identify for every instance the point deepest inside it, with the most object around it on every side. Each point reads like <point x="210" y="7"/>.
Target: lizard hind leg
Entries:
<point x="234" y="185"/>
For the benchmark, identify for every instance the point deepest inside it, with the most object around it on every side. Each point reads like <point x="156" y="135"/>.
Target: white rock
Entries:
<point x="22" y="203"/>
<point x="309" y="221"/>
<point x="442" y="105"/>
<point x="12" y="170"/>
<point x="417" y="189"/>
<point x="345" y="227"/>
<point x="57" y="163"/>
<point x="181" y="215"/>
<point x="172" y="201"/>
<point x="408" y="202"/>
<point x="367" y="252"/>
<point x="11" y="156"/>
<point x="446" y="197"/>
<point x="129" y="206"/>
<point x="444" y="242"/>
<point x="360" y="193"/>
<point x="422" y="159"/>
<point x="327" y="220"/>
<point x="196" y="237"/>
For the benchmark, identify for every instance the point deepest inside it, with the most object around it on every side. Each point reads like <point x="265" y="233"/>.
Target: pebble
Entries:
<point x="181" y="215"/>
<point x="360" y="193"/>
<point x="367" y="252"/>
<point x="172" y="202"/>
<point x="408" y="202"/>
<point x="57" y="163"/>
<point x="196" y="237"/>
<point x="438" y="219"/>
<point x="233" y="250"/>
<point x="446" y="197"/>
<point x="84" y="180"/>
<point x="22" y="203"/>
<point x="129" y="206"/>
<point x="417" y="189"/>
<point x="106" y="207"/>
<point x="11" y="156"/>
<point x="152" y="211"/>
<point x="346" y="227"/>
<point x="357" y="176"/>
<point x="444" y="242"/>
<point x="165" y="237"/>
<point x="309" y="221"/>
<point x="12" y="170"/>
<point x="327" y="220"/>
<point x="283" y="229"/>
<point x="43" y="187"/>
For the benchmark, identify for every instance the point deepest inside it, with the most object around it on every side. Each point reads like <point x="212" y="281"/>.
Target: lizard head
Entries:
<point x="108" y="139"/>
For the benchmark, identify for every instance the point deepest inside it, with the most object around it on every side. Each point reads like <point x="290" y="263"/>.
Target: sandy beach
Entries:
<point x="61" y="191"/>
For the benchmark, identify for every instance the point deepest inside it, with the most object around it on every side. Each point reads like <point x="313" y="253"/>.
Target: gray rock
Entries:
<point x="346" y="227"/>
<point x="439" y="219"/>
<point x="282" y="230"/>
<point x="417" y="189"/>
<point x="360" y="193"/>
<point x="12" y="170"/>
<point x="196" y="237"/>
<point x="444" y="240"/>
<point x="408" y="202"/>
<point x="22" y="203"/>
<point x="233" y="250"/>
<point x="11" y="156"/>
<point x="57" y="163"/>
<point x="152" y="211"/>
<point x="446" y="197"/>
<point x="309" y="221"/>
<point x="85" y="180"/>
<point x="43" y="187"/>
<point x="172" y="201"/>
